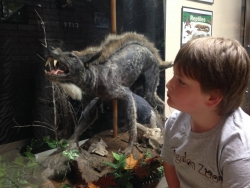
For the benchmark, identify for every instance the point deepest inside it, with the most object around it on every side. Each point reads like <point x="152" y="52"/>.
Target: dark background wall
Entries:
<point x="73" y="28"/>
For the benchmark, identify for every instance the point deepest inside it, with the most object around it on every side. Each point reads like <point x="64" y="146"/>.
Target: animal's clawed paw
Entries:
<point x="127" y="151"/>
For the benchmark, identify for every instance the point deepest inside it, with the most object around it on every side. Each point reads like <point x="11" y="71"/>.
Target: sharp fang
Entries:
<point x="48" y="61"/>
<point x="55" y="62"/>
<point x="45" y="71"/>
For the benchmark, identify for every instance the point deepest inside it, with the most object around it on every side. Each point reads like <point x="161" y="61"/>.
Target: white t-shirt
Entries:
<point x="219" y="157"/>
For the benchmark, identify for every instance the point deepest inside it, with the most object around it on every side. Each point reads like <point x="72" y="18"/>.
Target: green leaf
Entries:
<point x="116" y="156"/>
<point x="160" y="169"/>
<point x="52" y="144"/>
<point x="148" y="155"/>
<point x="115" y="166"/>
<point x="121" y="164"/>
<point x="65" y="153"/>
<point x="30" y="156"/>
<point x="71" y="154"/>
<point x="63" y="143"/>
<point x="74" y="153"/>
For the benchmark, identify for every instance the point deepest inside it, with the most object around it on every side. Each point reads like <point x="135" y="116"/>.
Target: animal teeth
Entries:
<point x="48" y="61"/>
<point x="55" y="62"/>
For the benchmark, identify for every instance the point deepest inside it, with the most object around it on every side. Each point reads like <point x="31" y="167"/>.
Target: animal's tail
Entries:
<point x="165" y="65"/>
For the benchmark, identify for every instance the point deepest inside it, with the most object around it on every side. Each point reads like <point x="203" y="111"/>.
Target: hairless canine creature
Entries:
<point x="108" y="71"/>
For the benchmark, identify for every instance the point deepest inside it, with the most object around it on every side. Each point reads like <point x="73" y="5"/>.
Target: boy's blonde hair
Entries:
<point x="218" y="64"/>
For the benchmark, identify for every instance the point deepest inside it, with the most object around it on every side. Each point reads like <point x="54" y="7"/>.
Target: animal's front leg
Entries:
<point x="131" y="117"/>
<point x="88" y="117"/>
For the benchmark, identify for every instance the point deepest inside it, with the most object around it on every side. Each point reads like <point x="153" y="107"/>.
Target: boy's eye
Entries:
<point x="181" y="82"/>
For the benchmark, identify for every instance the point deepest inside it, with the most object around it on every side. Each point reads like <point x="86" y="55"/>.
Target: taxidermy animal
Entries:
<point x="148" y="123"/>
<point x="109" y="70"/>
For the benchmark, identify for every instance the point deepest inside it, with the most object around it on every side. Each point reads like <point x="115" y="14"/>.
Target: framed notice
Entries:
<point x="101" y="20"/>
<point x="195" y="23"/>
<point x="207" y="1"/>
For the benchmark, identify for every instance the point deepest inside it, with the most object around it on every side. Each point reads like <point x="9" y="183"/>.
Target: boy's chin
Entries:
<point x="173" y="105"/>
<point x="170" y="103"/>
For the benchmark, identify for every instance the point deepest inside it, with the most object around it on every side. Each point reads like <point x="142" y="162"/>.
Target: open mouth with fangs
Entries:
<point x="55" y="67"/>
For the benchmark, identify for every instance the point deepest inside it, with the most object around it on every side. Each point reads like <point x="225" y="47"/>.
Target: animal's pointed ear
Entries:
<point x="90" y="57"/>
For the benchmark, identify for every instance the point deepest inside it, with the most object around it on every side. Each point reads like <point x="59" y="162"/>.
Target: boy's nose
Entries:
<point x="168" y="84"/>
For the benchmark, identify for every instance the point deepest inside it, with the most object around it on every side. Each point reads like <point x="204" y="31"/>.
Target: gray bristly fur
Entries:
<point x="110" y="69"/>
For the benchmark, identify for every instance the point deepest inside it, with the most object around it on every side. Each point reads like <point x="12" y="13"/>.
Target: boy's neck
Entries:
<point x="204" y="122"/>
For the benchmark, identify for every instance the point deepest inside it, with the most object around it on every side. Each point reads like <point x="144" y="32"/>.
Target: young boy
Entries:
<point x="207" y="139"/>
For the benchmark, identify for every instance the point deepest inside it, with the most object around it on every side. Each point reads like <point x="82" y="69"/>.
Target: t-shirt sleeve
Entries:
<point x="236" y="174"/>
<point x="166" y="152"/>
<point x="235" y="153"/>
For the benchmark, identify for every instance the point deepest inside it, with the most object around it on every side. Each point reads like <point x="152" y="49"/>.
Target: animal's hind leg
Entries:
<point x="151" y="83"/>
<point x="126" y="95"/>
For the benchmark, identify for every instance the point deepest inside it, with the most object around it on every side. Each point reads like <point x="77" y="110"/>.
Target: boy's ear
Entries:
<point x="214" y="98"/>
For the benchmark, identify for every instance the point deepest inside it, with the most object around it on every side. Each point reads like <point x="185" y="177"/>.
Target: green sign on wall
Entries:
<point x="195" y="23"/>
